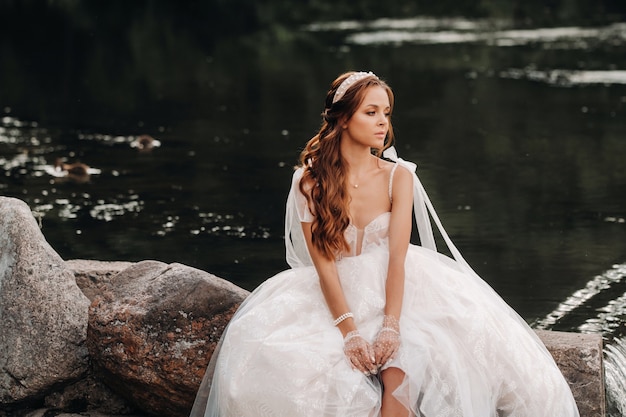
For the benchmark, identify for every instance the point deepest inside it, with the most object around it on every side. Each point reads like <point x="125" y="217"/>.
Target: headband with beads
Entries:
<point x="343" y="87"/>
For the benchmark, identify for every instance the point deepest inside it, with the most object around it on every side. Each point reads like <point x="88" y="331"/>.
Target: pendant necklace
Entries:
<point x="355" y="184"/>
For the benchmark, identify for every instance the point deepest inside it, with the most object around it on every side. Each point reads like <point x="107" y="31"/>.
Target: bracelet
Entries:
<point x="342" y="318"/>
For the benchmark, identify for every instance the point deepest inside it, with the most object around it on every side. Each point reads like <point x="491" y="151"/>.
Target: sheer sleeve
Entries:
<point x="297" y="212"/>
<point x="305" y="213"/>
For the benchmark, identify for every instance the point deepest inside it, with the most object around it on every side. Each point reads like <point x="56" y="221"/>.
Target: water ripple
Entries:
<point x="596" y="285"/>
<point x="555" y="38"/>
<point x="500" y="33"/>
<point x="566" y="78"/>
<point x="609" y="318"/>
<point x="412" y="23"/>
<point x="14" y="131"/>
<point x="141" y="141"/>
<point x="66" y="208"/>
<point x="216" y="224"/>
<point x="109" y="211"/>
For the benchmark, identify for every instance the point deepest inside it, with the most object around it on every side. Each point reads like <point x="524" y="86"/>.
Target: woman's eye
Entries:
<point x="371" y="113"/>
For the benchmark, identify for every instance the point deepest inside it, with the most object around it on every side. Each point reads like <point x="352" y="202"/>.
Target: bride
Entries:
<point x="364" y="323"/>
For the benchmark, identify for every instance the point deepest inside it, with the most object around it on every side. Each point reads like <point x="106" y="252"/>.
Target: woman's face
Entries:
<point x="369" y="124"/>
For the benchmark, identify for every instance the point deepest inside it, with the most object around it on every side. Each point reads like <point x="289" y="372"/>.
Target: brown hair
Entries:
<point x="323" y="180"/>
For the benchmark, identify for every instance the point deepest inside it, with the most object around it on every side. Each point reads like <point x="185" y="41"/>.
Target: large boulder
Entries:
<point x="42" y="311"/>
<point x="579" y="357"/>
<point x="152" y="331"/>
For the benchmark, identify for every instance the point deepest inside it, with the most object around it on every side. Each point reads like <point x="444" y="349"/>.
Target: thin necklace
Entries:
<point x="355" y="185"/>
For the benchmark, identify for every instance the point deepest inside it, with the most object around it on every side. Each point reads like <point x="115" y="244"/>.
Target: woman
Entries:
<point x="366" y="324"/>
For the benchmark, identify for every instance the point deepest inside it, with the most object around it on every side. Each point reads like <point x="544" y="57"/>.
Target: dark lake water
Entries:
<point x="519" y="135"/>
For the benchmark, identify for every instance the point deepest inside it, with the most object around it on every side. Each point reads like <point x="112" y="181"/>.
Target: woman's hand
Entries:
<point x="359" y="353"/>
<point x="387" y="342"/>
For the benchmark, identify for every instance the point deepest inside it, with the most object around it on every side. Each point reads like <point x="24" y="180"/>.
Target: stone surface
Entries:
<point x="93" y="276"/>
<point x="579" y="356"/>
<point x="89" y="394"/>
<point x="42" y="311"/>
<point x="152" y="331"/>
<point x="47" y="412"/>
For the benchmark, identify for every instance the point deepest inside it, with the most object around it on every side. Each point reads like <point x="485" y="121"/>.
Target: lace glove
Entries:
<point x="388" y="341"/>
<point x="359" y="353"/>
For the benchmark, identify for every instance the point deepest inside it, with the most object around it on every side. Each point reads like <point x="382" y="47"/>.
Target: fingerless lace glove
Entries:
<point x="387" y="342"/>
<point x="359" y="353"/>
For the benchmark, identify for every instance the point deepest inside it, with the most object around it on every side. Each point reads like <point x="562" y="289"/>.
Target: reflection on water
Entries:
<point x="423" y="30"/>
<point x="33" y="163"/>
<point x="567" y="78"/>
<point x="602" y="282"/>
<point x="458" y="30"/>
<point x="422" y="23"/>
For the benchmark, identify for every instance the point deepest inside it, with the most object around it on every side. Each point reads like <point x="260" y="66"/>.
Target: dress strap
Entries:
<point x="424" y="211"/>
<point x="393" y="170"/>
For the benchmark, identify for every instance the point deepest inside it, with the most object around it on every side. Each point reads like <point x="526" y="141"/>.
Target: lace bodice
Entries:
<point x="360" y="240"/>
<point x="372" y="235"/>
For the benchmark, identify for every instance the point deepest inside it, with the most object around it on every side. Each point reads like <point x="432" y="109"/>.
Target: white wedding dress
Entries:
<point x="464" y="351"/>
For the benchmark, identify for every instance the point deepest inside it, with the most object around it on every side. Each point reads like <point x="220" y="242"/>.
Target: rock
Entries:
<point x="46" y="412"/>
<point x="89" y="395"/>
<point x="92" y="276"/>
<point x="153" y="329"/>
<point x="579" y="357"/>
<point x="42" y="311"/>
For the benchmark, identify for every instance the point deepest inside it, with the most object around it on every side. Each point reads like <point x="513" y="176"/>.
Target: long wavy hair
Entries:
<point x="324" y="178"/>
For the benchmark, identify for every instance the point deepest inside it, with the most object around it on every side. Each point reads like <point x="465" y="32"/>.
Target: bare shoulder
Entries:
<point x="385" y="165"/>
<point x="403" y="176"/>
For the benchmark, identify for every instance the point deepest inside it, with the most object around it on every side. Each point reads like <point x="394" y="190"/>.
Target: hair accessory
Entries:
<point x="343" y="87"/>
<point x="342" y="318"/>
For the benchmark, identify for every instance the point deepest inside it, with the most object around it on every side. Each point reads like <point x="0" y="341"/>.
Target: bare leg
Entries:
<point x="391" y="407"/>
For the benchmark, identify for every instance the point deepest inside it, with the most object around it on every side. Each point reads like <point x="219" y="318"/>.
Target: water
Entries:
<point x="519" y="135"/>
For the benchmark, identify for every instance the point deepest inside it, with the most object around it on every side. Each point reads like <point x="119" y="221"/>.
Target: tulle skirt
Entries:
<point x="464" y="351"/>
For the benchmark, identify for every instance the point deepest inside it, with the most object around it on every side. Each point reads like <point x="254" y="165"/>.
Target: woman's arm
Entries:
<point x="329" y="282"/>
<point x="388" y="340"/>
<point x="358" y="351"/>
<point x="326" y="267"/>
<point x="399" y="238"/>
